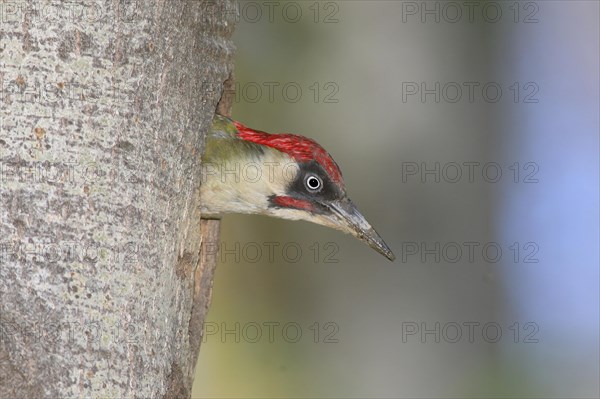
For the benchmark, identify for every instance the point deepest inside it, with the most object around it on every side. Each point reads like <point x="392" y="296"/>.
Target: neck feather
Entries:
<point x="240" y="177"/>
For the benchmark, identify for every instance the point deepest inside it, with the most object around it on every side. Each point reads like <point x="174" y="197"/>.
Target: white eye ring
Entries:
<point x="313" y="183"/>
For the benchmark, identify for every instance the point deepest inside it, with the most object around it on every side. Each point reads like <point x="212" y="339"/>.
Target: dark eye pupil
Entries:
<point x="313" y="182"/>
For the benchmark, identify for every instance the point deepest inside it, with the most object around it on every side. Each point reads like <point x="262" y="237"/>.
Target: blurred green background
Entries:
<point x="322" y="315"/>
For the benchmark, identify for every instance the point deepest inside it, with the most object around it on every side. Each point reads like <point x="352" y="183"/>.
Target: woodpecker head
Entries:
<point x="291" y="177"/>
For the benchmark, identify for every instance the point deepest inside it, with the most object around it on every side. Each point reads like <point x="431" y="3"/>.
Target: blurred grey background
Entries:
<point x="467" y="133"/>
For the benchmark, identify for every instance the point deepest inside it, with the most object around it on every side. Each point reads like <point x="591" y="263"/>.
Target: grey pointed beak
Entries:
<point x="348" y="215"/>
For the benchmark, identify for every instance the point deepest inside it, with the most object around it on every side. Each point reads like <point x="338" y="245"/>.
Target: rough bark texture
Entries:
<point x="103" y="289"/>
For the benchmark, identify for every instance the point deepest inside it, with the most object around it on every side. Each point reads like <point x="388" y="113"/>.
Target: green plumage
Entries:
<point x="223" y="145"/>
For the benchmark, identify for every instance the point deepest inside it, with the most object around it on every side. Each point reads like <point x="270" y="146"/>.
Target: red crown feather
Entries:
<point x="300" y="148"/>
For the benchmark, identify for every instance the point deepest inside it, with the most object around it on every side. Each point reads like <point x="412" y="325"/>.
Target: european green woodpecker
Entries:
<point x="282" y="175"/>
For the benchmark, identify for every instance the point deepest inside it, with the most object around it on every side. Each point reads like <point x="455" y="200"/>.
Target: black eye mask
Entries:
<point x="298" y="188"/>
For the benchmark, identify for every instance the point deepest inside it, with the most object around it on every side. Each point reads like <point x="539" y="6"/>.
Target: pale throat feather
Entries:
<point x="244" y="180"/>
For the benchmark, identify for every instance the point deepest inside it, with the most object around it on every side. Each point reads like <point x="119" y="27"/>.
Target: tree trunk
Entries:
<point x="103" y="287"/>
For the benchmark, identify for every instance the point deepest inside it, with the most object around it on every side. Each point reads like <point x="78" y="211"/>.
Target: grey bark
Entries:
<point x="103" y="287"/>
